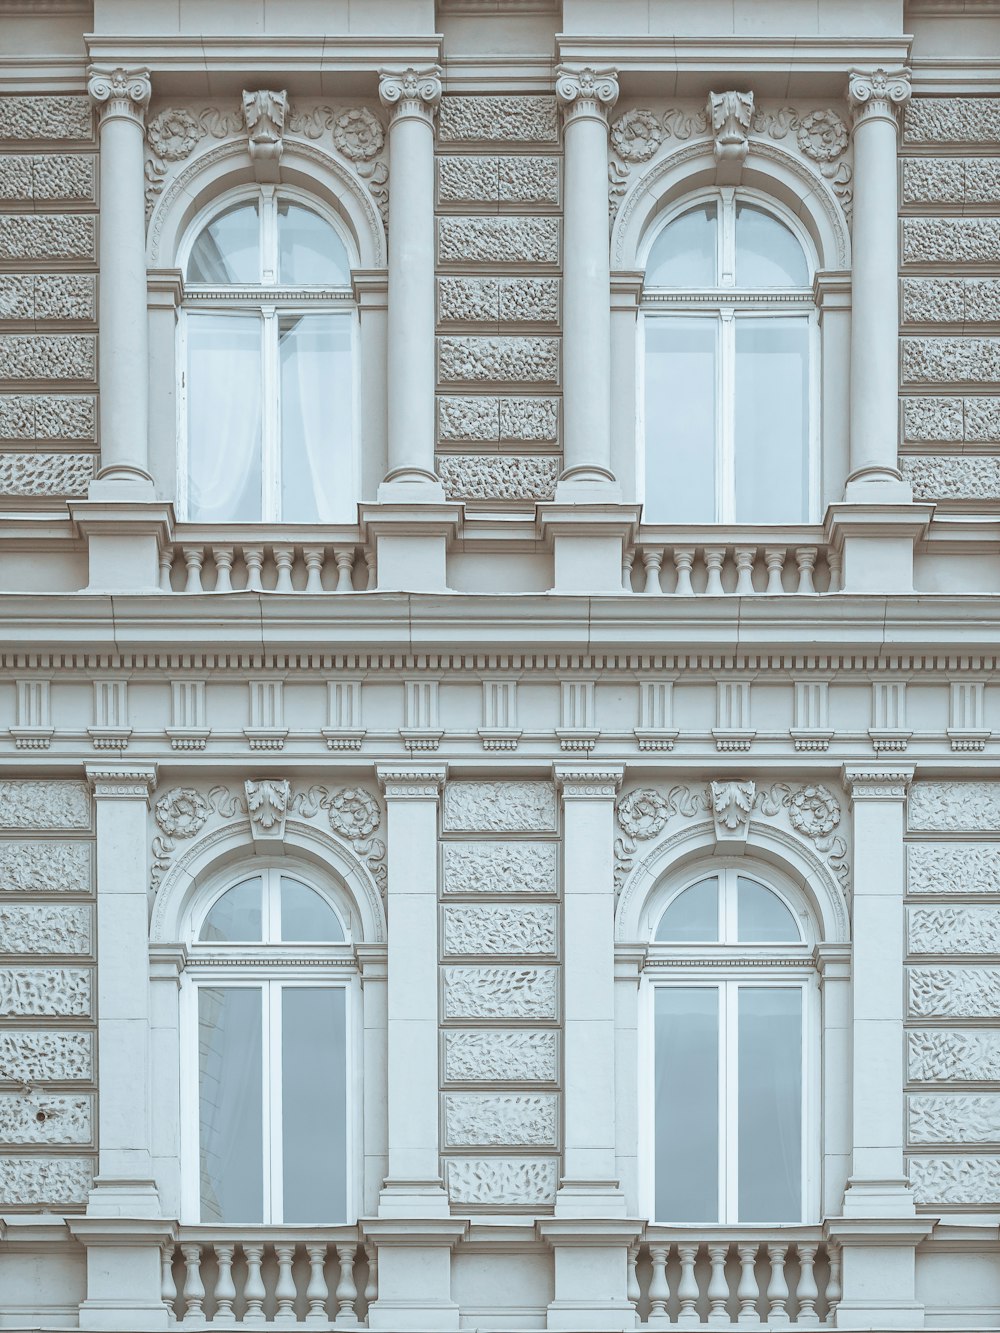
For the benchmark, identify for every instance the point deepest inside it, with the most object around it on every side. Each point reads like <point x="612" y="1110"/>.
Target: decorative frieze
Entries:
<point x="45" y="1118"/>
<point x="25" y="416"/>
<point x="36" y="804"/>
<point x="31" y="296"/>
<point x="36" y="992"/>
<point x="949" y="477"/>
<point x="500" y="929"/>
<point x="936" y="1055"/>
<point x="974" y="930"/>
<point x="69" y="176"/>
<point x="48" y="356"/>
<point x="517" y="477"/>
<point x="45" y="928"/>
<point x="46" y="118"/>
<point x="499" y="867"/>
<point x="500" y="1120"/>
<point x="511" y="119"/>
<point x="957" y="867"/>
<point x="492" y="300"/>
<point x="492" y="180"/>
<point x="500" y="1055"/>
<point x="951" y="300"/>
<point x="954" y="807"/>
<point x="954" y="1118"/>
<point x="43" y="1055"/>
<point x="951" y="241"/>
<point x="27" y="1182"/>
<point x="490" y="419"/>
<point x="968" y="1181"/>
<point x="506" y="1182"/>
<point x="499" y="807"/>
<point x="948" y="420"/>
<point x="46" y="474"/>
<point x="951" y="180"/>
<point x="954" y="992"/>
<point x="946" y="120"/>
<point x="503" y="993"/>
<point x="48" y="236"/>
<point x="498" y="240"/>
<point x="495" y="360"/>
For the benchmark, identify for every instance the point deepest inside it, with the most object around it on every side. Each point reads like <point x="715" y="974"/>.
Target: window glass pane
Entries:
<point x="314" y="1104"/>
<point x="224" y="419"/>
<point x="680" y="420"/>
<point x="316" y="417"/>
<point x="687" y="1103"/>
<point x="772" y="420"/>
<point x="767" y="253"/>
<point x="310" y="253"/>
<point x="236" y="916"/>
<point x="305" y="915"/>
<point x="230" y="1099"/>
<point x="228" y="249"/>
<point x="762" y="917"/>
<point x="770" y="1104"/>
<point x="685" y="254"/>
<point x="693" y="915"/>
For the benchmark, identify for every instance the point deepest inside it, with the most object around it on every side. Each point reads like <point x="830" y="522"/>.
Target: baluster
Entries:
<point x="317" y="1291"/>
<point x="194" y="1288"/>
<point x="683" y="562"/>
<point x="370" y="561"/>
<point x="714" y="556"/>
<point x="344" y="557"/>
<point x="166" y="561"/>
<point x="834" y="1285"/>
<point x="745" y="556"/>
<point x="223" y="557"/>
<point x="687" y="1288"/>
<point x="748" y="1291"/>
<point x="314" y="557"/>
<point x="193" y="557"/>
<point x="777" y="1288"/>
<point x="834" y="565"/>
<point x="284" y="1288"/>
<point x="347" y="1291"/>
<point x="659" y="1288"/>
<point x="168" y="1287"/>
<point x="652" y="559"/>
<point x="718" y="1285"/>
<point x="284" y="558"/>
<point x="371" y="1286"/>
<point x="632" y="1289"/>
<point x="774" y="559"/>
<point x="225" y="1288"/>
<point x="253" y="557"/>
<point x="628" y="560"/>
<point x="805" y="558"/>
<point x="253" y="1289"/>
<point x="808" y="1292"/>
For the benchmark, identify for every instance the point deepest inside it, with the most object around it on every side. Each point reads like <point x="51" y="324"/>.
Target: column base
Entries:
<point x="414" y="1273"/>
<point x="411" y="488"/>
<point x="876" y="542"/>
<point x="124" y="540"/>
<point x="877" y="487"/>
<point x="591" y="1271"/>
<point x="123" y="1255"/>
<point x="414" y="1198"/>
<point x="588" y="543"/>
<point x="588" y="488"/>
<point x="411" y="543"/>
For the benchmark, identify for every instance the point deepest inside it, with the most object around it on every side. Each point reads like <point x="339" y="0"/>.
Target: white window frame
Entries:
<point x="270" y="302"/>
<point x="724" y="304"/>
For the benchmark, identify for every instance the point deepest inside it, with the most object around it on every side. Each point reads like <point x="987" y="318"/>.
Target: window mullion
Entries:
<point x="730" y="1121"/>
<point x="726" y="436"/>
<point x="275" y="1208"/>
<point x="268" y="236"/>
<point x="270" y="443"/>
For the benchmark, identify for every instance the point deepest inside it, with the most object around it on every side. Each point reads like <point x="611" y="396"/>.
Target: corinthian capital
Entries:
<point x="119" y="91"/>
<point x="586" y="91"/>
<point x="410" y="92"/>
<point x="877" y="93"/>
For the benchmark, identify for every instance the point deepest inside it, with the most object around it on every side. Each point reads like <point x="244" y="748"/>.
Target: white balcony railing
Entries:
<point x="759" y="561"/>
<point x="234" y="1276"/>
<point x="332" y="561"/>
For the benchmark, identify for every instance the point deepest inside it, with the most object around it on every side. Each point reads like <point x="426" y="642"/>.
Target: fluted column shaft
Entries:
<point x="122" y="96"/>
<point x="875" y="98"/>
<point x="412" y="96"/>
<point x="586" y="96"/>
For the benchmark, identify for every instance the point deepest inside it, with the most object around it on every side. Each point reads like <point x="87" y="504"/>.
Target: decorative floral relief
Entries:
<point x="43" y="1056"/>
<point x="957" y="867"/>
<point x="518" y="477"/>
<point x="494" y="360"/>
<point x="48" y="1118"/>
<point x="500" y="867"/>
<point x="499" y="807"/>
<point x="357" y="134"/>
<point x="29" y="1181"/>
<point x="34" y="236"/>
<point x="45" y="867"/>
<point x="43" y="991"/>
<point x="951" y="240"/>
<point x="954" y="992"/>
<point x="814" y="811"/>
<point x="45" y="928"/>
<point x="498" y="240"/>
<point x="48" y="417"/>
<point x="498" y="1056"/>
<point x="500" y="1120"/>
<point x="354" y="814"/>
<point x="973" y="1181"/>
<point x="954" y="807"/>
<point x="175" y="132"/>
<point x="31" y="804"/>
<point x="513" y="119"/>
<point x="935" y="120"/>
<point x="954" y="1118"/>
<point x="181" y="812"/>
<point x="637" y="134"/>
<point x="501" y="1181"/>
<point x="500" y="992"/>
<point x="937" y="1055"/>
<point x="48" y="356"/>
<point x="954" y="930"/>
<point x="499" y="930"/>
<point x="939" y="477"/>
<point x="46" y="474"/>
<point x="46" y="117"/>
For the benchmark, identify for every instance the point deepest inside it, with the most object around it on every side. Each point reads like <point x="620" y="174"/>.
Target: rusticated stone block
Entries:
<point x="28" y="416"/>
<point x="951" y="300"/>
<point x="48" y="176"/>
<point x="495" y="360"/>
<point x="959" y="930"/>
<point x="491" y="180"/>
<point x="45" y="992"/>
<point x="938" y="1055"/>
<point x="46" y="118"/>
<point x="505" y="1182"/>
<point x="469" y="299"/>
<point x="468" y="180"/>
<point x="29" y="804"/>
<point x="955" y="1180"/>
<point x="48" y="356"/>
<point x="951" y="180"/>
<point x="33" y="1181"/>
<point x="954" y="992"/>
<point x="499" y="928"/>
<point x="982" y="419"/>
<point x="500" y="992"/>
<point x="47" y="296"/>
<point x="954" y="477"/>
<point x="529" y="300"/>
<point x="498" y="240"/>
<point x="17" y="296"/>
<point x="472" y="418"/>
<point x="501" y="1120"/>
<point x="951" y="241"/>
<point x="514" y="119"/>
<point x="48" y="236"/>
<point x="491" y="1055"/>
<point x="951" y="360"/>
<point x="933" y="419"/>
<point x="45" y="1118"/>
<point x="46" y="474"/>
<point x="15" y="176"/>
<point x="524" y="477"/>
<point x="499" y="867"/>
<point x="529" y="180"/>
<point x="935" y="120"/>
<point x="500" y="807"/>
<point x="45" y="928"/>
<point x="529" y="419"/>
<point x="965" y="1117"/>
<point x="490" y="300"/>
<point x="37" y="865"/>
<point x="954" y="807"/>
<point x="44" y="1055"/>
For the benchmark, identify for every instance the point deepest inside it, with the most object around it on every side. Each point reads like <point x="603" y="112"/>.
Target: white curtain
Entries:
<point x="316" y="411"/>
<point x="224" y="418"/>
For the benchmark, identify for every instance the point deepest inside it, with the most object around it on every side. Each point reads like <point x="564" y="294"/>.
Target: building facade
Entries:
<point x="499" y="546"/>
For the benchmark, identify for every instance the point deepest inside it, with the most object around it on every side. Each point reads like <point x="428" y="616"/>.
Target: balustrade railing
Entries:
<point x="324" y="1278"/>
<point x="760" y="562"/>
<point x="200" y="562"/>
<point x="738" y="1277"/>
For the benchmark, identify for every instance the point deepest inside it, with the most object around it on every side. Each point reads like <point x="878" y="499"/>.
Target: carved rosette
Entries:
<point x="120" y="92"/>
<point x="876" y="94"/>
<point x="410" y="92"/>
<point x="586" y="92"/>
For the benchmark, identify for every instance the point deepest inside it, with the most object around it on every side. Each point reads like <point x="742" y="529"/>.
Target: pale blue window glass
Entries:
<point x="306" y="917"/>
<point x="310" y="253"/>
<point x="227" y="250"/>
<point x="772" y="420"/>
<point x="767" y="253"/>
<point x="693" y="916"/>
<point x="236" y="917"/>
<point x="230" y="1096"/>
<point x="687" y="1103"/>
<point x="762" y="918"/>
<point x="681" y="373"/>
<point x="685" y="254"/>
<point x="770" y="1104"/>
<point x="314" y="1104"/>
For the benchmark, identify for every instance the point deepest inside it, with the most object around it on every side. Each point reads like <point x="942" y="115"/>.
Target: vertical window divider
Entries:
<point x="274" y="1203"/>
<point x="270" y="461"/>
<point x="726" y="436"/>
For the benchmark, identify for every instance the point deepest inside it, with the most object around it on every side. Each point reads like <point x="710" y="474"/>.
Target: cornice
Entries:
<point x="265" y="55"/>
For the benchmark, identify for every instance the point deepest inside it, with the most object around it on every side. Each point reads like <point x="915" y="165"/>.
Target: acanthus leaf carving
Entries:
<point x="267" y="806"/>
<point x="264" y="113"/>
<point x="730" y="115"/>
<point x="732" y="803"/>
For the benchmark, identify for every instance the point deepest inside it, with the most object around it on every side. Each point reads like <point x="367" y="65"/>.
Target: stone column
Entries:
<point x="412" y="96"/>
<point x="875" y="97"/>
<point x="122" y="96"/>
<point x="586" y="96"/>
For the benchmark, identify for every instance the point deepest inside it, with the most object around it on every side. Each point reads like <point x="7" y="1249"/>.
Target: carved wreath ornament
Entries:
<point x="636" y="135"/>
<point x="358" y="134"/>
<point x="814" y="811"/>
<point x="174" y="133"/>
<point x="181" y="812"/>
<point x="354" y="813"/>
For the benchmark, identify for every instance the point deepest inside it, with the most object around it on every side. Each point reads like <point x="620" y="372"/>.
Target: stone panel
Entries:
<point x="500" y="1120"/>
<point x="947" y="420"/>
<point x="46" y="118"/>
<point x="65" y="296"/>
<point x="951" y="300"/>
<point x="511" y="119"/>
<point x="951" y="180"/>
<point x="982" y="419"/>
<point x="489" y="300"/>
<point x="974" y="930"/>
<point x="951" y="360"/>
<point x="942" y="1181"/>
<point x="519" y="477"/>
<point x="46" y="474"/>
<point x="48" y="356"/>
<point x="937" y="1055"/>
<point x="952" y="478"/>
<point x="528" y="420"/>
<point x="954" y="992"/>
<point x="502" y="1181"/>
<point x="491" y="180"/>
<point x="15" y="176"/>
<point x="500" y="992"/>
<point x="36" y="992"/>
<point x="31" y="1181"/>
<point x="953" y="867"/>
<point x="45" y="928"/>
<point x="500" y="867"/>
<point x="500" y="807"/>
<point x="935" y="120"/>
<point x="48" y="236"/>
<point x="495" y="360"/>
<point x="500" y="929"/>
<point x="498" y="240"/>
<point x="468" y="180"/>
<point x="45" y="1118"/>
<point x="511" y="1055"/>
<point x="529" y="300"/>
<point x="951" y="241"/>
<point x="36" y="804"/>
<point x="473" y="418"/>
<point x="954" y="1118"/>
<point x="54" y="416"/>
<point x="954" y="807"/>
<point x="48" y="176"/>
<point x="45" y="1056"/>
<point x="470" y="299"/>
<point x="529" y="180"/>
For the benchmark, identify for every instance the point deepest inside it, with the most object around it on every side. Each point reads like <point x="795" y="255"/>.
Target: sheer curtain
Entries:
<point x="224" y="418"/>
<point x="316" y="393"/>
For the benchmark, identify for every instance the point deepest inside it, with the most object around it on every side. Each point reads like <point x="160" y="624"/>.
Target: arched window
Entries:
<point x="732" y="1015"/>
<point x="268" y="1036"/>
<point x="267" y="370"/>
<point x="729" y="327"/>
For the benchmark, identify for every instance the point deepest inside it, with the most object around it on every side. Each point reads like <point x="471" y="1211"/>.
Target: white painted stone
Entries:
<point x="500" y="992"/>
<point x="33" y="1181"/>
<point x="500" y="1120"/>
<point x="499" y="867"/>
<point x="500" y="929"/>
<point x="35" y="866"/>
<point x="499" y="807"/>
<point x="511" y="1055"/>
<point x="501" y="1181"/>
<point x="954" y="807"/>
<point x="49" y="928"/>
<point x="940" y="1055"/>
<point x="33" y="804"/>
<point x="43" y="1055"/>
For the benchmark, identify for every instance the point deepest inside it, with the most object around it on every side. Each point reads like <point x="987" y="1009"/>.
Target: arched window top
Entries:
<point x="728" y="908"/>
<point x="270" y="907"/>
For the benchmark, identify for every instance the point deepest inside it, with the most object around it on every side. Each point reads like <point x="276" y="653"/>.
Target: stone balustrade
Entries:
<point x="327" y="562"/>
<point x="690" y="563"/>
